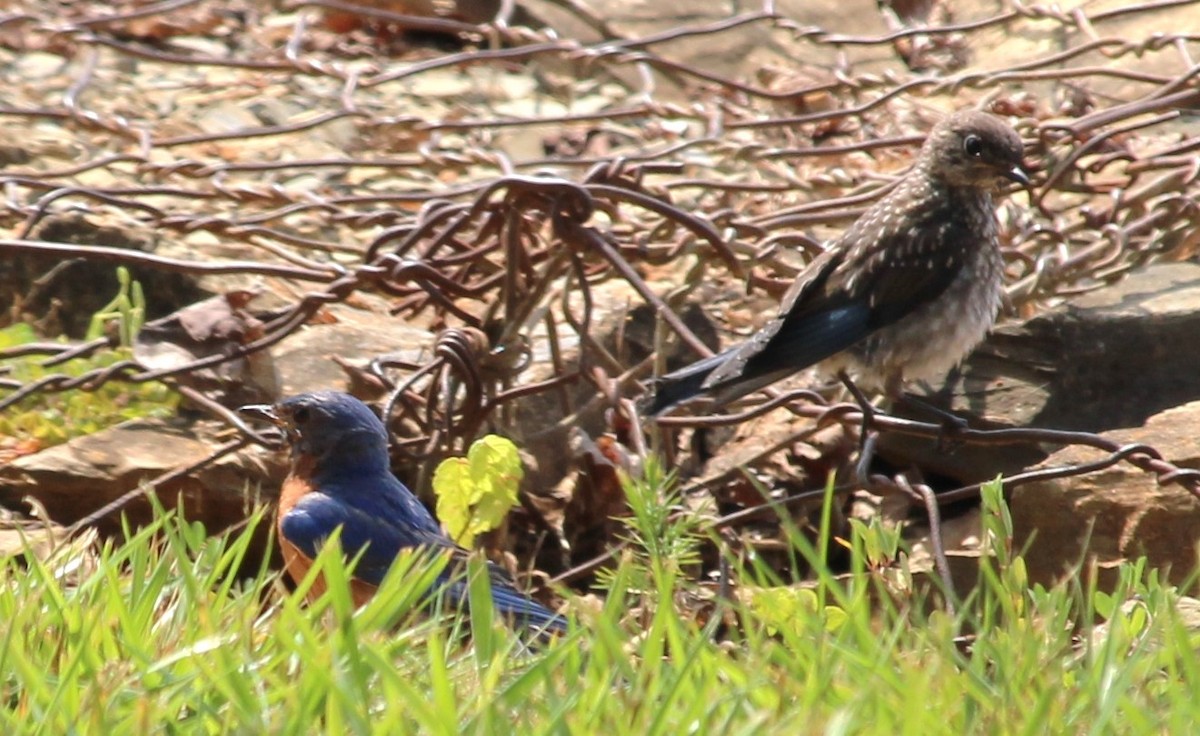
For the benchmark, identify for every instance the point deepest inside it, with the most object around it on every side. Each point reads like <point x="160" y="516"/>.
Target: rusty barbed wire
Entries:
<point x="494" y="247"/>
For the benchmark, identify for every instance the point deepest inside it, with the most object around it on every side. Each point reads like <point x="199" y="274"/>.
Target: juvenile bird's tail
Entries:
<point x="676" y="388"/>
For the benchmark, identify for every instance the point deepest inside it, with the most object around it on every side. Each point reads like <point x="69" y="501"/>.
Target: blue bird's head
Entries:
<point x="328" y="427"/>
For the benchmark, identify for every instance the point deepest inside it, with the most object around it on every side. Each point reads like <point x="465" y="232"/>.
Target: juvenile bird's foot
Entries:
<point x="952" y="425"/>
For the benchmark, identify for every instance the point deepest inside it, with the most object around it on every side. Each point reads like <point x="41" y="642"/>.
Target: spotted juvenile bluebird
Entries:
<point x="906" y="292"/>
<point x="340" y="478"/>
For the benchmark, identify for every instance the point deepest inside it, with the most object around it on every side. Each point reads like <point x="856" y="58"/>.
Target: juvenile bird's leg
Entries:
<point x="951" y="423"/>
<point x="867" y="436"/>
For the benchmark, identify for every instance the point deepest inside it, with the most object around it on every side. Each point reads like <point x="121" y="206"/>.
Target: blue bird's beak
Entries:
<point x="265" y="412"/>
<point x="268" y="413"/>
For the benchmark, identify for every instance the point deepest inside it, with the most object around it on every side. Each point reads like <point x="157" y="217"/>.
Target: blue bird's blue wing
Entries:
<point x="377" y="538"/>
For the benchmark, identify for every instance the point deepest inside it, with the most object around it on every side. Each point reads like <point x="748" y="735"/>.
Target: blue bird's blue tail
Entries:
<point x="516" y="608"/>
<point x="526" y="613"/>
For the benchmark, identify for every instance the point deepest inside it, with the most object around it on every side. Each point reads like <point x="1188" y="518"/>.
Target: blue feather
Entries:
<point x="344" y="448"/>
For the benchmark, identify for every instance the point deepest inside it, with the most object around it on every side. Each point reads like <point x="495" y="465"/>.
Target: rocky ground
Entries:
<point x="504" y="224"/>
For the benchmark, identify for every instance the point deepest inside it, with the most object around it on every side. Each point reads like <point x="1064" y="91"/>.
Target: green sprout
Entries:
<point x="128" y="308"/>
<point x="44" y="419"/>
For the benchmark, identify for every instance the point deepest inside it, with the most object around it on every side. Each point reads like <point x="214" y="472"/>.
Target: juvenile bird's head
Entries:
<point x="972" y="148"/>
<point x="328" y="426"/>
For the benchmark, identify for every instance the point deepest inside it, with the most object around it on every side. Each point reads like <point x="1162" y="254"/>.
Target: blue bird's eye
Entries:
<point x="973" y="145"/>
<point x="300" y="416"/>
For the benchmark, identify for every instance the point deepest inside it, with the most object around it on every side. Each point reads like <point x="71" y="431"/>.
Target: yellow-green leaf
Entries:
<point x="475" y="493"/>
<point x="452" y="486"/>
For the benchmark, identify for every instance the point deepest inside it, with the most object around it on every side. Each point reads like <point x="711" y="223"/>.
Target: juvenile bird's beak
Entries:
<point x="1018" y="175"/>
<point x="265" y="412"/>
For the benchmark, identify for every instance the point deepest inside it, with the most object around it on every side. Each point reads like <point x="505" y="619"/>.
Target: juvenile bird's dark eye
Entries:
<point x="300" y="416"/>
<point x="973" y="145"/>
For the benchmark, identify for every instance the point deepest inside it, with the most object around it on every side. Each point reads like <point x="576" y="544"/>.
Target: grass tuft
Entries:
<point x="156" y="632"/>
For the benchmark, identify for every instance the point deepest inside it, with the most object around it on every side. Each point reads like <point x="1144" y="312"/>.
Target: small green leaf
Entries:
<point x="1018" y="576"/>
<point x="794" y="610"/>
<point x="452" y="485"/>
<point x="835" y="617"/>
<point x="496" y="468"/>
<point x="476" y="493"/>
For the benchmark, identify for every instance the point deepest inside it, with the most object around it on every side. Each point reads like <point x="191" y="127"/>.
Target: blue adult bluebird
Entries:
<point x="340" y="478"/>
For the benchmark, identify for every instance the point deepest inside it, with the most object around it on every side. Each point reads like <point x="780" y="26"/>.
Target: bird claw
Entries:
<point x="952" y="425"/>
<point x="949" y="436"/>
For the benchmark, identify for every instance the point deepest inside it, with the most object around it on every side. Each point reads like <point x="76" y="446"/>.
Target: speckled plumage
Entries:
<point x="906" y="292"/>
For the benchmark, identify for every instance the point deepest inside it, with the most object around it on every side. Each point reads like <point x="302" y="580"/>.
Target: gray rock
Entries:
<point x="77" y="478"/>
<point x="62" y="295"/>
<point x="1108" y="359"/>
<point x="1115" y="514"/>
<point x="1111" y="358"/>
<point x="306" y="359"/>
<point x="1186" y="613"/>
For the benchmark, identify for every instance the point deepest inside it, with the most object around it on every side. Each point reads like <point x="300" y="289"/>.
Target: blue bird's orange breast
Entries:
<point x="296" y="486"/>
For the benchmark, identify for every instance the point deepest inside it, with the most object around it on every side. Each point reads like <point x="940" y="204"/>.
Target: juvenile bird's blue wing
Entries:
<point x="745" y="368"/>
<point x="816" y="319"/>
<point x="840" y="300"/>
<point x="681" y="385"/>
<point x="904" y="269"/>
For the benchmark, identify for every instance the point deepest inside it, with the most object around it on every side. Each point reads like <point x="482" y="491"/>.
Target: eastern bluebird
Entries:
<point x="340" y="478"/>
<point x="906" y="292"/>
